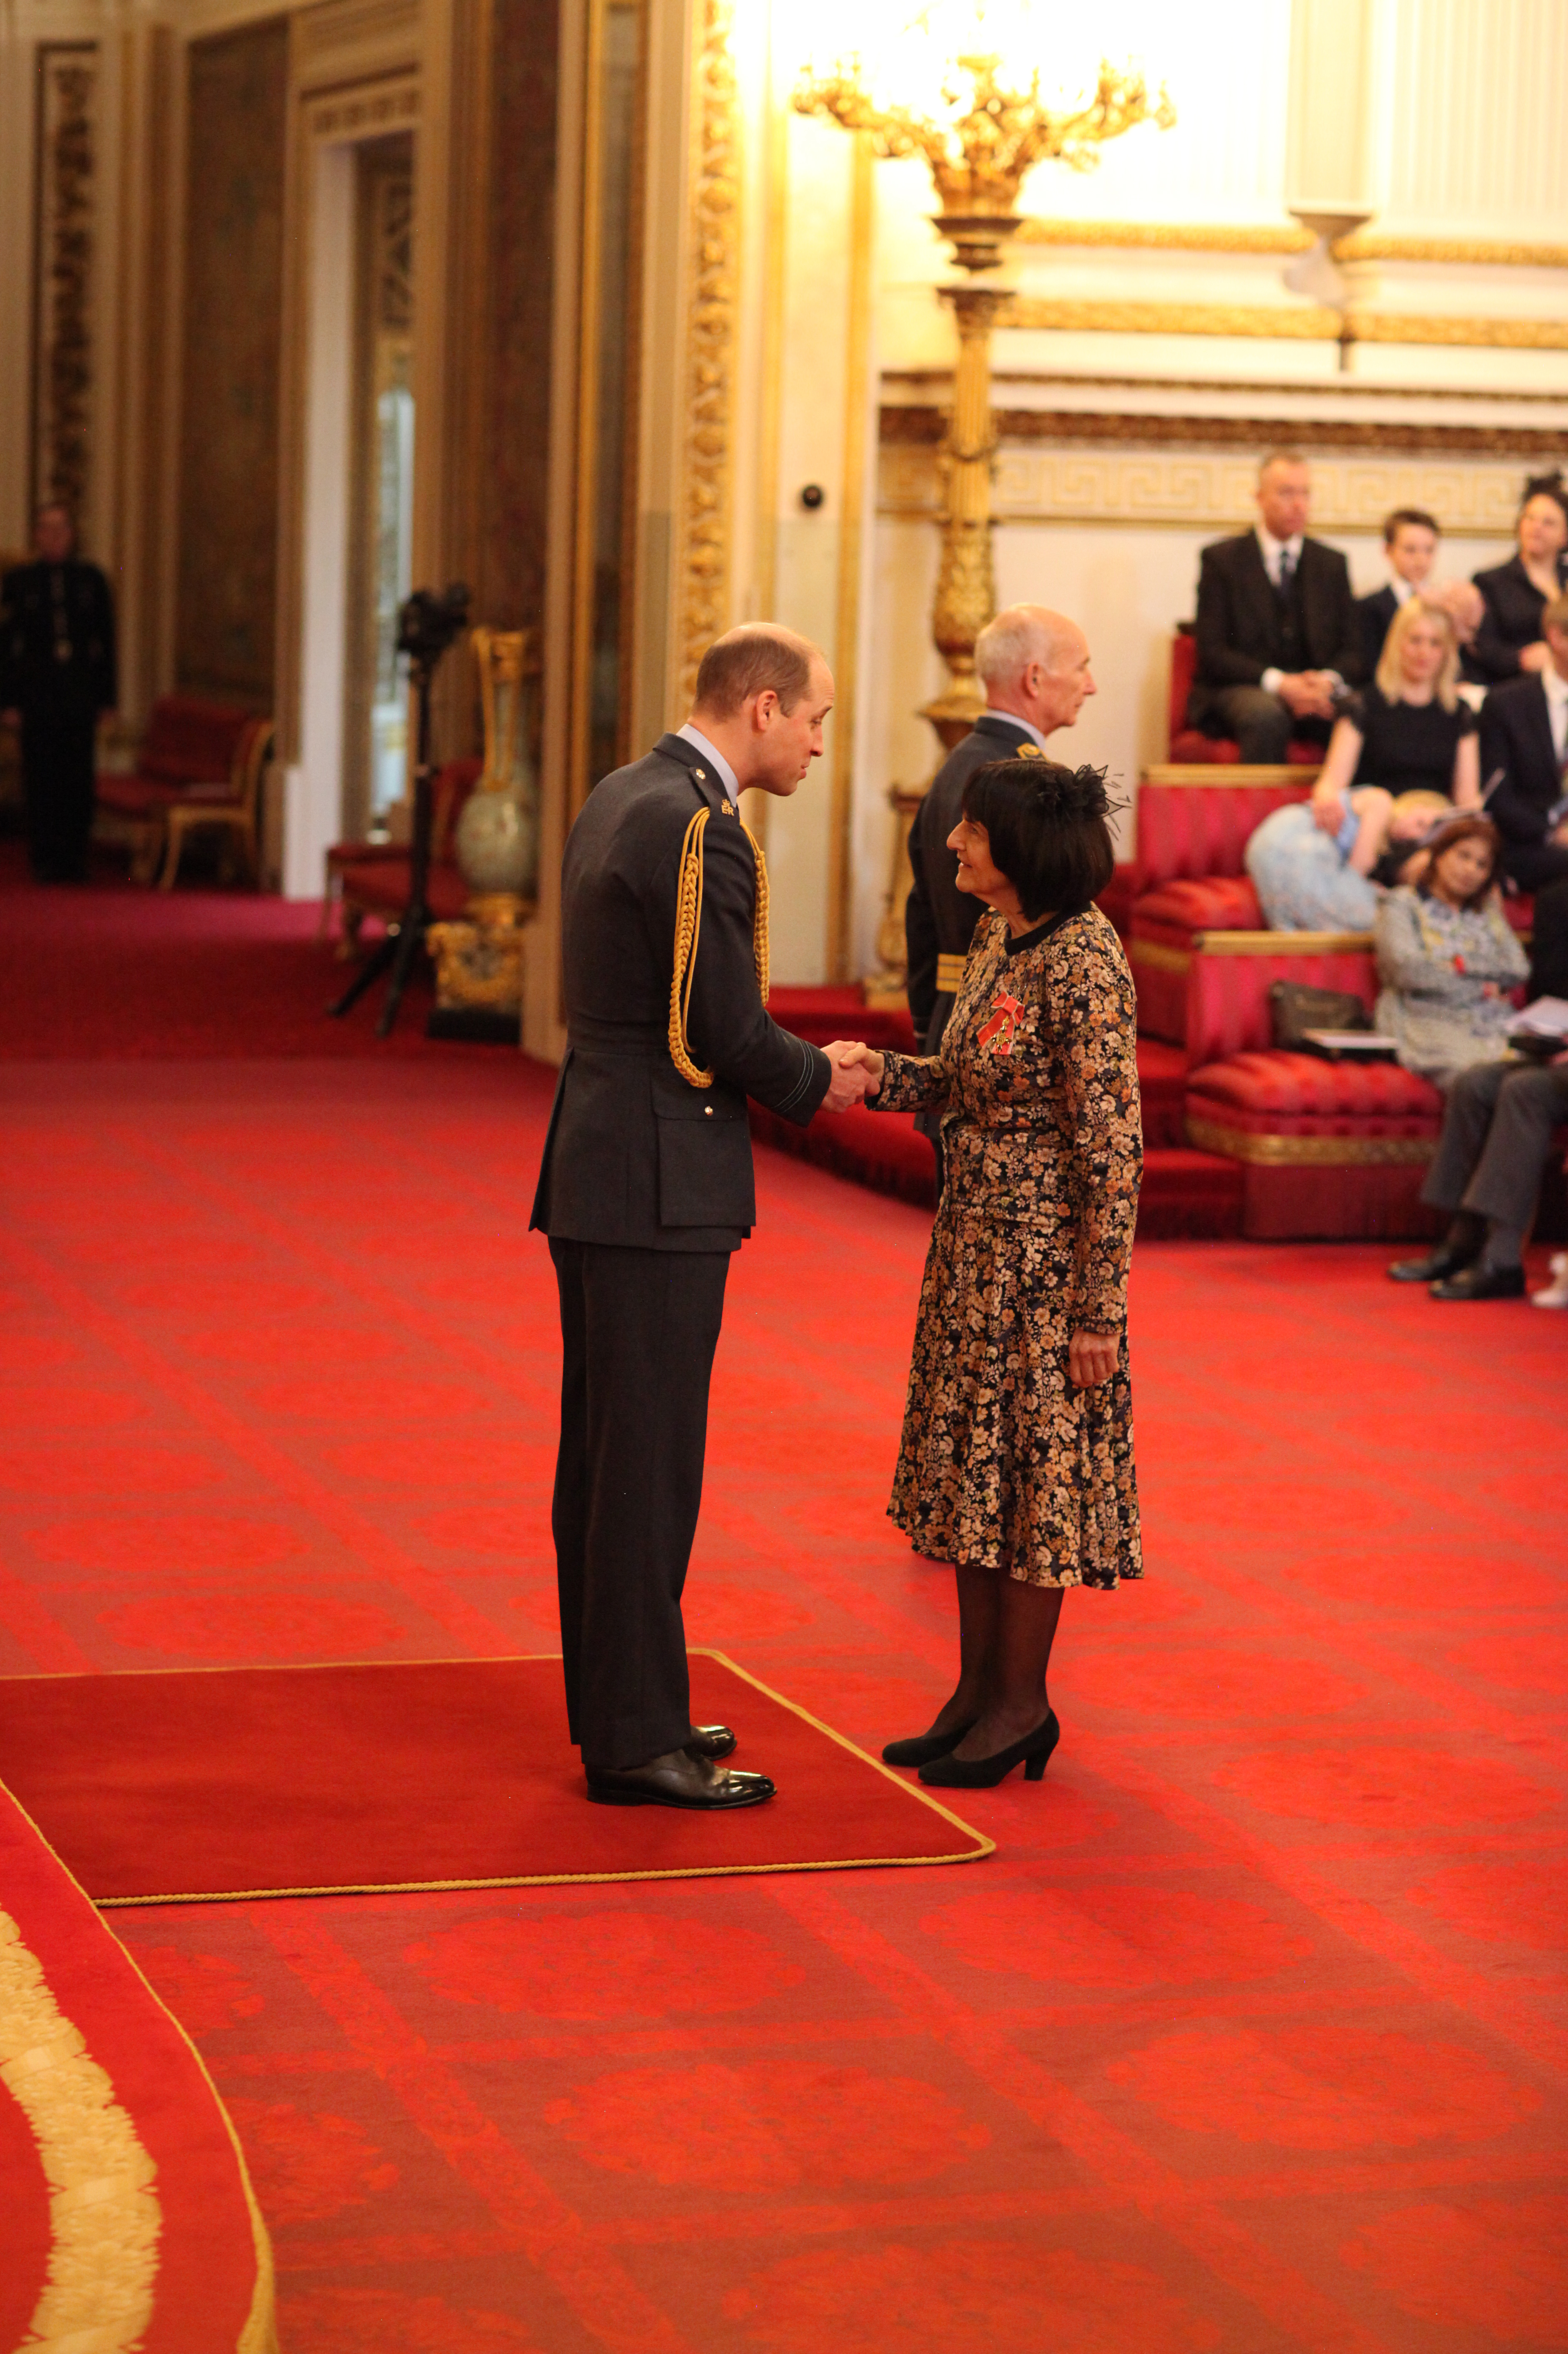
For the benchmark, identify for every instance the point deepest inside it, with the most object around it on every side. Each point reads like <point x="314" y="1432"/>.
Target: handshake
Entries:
<point x="857" y="1072"/>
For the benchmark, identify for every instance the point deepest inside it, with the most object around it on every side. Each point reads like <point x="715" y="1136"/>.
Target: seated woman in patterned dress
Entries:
<point x="1447" y="958"/>
<point x="1016" y="1462"/>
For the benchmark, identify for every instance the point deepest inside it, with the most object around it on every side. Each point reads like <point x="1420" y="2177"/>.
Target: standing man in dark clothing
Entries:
<point x="1278" y="636"/>
<point x="57" y="680"/>
<point x="647" y="1188"/>
<point x="1034" y="667"/>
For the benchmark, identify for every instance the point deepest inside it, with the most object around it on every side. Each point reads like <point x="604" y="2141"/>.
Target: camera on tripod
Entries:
<point x="431" y="621"/>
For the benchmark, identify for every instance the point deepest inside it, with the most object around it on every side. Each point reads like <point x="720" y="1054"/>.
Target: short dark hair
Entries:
<point x="1416" y="516"/>
<point x="748" y="661"/>
<point x="1464" y="829"/>
<point x="1047" y="829"/>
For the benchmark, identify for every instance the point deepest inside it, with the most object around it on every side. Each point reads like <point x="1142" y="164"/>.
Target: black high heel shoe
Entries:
<point x="984" y="1773"/>
<point x="922" y="1747"/>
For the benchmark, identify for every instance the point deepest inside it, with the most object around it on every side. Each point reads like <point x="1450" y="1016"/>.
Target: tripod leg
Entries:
<point x="374" y="965"/>
<point x="410" y="939"/>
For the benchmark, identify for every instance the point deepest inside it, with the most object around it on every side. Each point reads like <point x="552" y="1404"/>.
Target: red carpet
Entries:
<point x="124" y="2197"/>
<point x="1250" y="2036"/>
<point x="456" y="1773"/>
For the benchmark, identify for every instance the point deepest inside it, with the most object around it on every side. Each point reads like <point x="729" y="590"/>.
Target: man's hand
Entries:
<point x="1309" y="694"/>
<point x="848" y="1084"/>
<point x="1091" y="1359"/>
<point x="1535" y="657"/>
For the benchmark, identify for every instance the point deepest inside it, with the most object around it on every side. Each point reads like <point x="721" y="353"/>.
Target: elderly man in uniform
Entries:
<point x="1034" y="667"/>
<point x="647" y="1188"/>
<point x="57" y="680"/>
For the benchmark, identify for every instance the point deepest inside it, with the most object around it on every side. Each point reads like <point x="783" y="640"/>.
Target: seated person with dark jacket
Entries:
<point x="1277" y="632"/>
<point x="1524" y="754"/>
<point x="1410" y="537"/>
<point x="1496" y="1136"/>
<point x="1510" y="639"/>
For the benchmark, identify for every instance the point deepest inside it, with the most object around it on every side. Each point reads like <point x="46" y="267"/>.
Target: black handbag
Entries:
<point x="1298" y="1011"/>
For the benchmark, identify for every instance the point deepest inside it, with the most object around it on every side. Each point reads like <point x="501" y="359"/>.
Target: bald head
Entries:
<point x="1034" y="665"/>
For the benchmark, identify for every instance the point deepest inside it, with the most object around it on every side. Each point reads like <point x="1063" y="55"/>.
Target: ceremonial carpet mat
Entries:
<point x="304" y="1781"/>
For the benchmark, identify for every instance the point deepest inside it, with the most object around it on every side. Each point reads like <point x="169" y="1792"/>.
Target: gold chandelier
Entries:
<point x="973" y="112"/>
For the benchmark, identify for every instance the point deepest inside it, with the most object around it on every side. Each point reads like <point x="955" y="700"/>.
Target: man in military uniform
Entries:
<point x="647" y="1188"/>
<point x="1034" y="667"/>
<point x="57" y="679"/>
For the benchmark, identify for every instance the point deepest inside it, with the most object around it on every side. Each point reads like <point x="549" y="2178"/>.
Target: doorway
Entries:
<point x="381" y="502"/>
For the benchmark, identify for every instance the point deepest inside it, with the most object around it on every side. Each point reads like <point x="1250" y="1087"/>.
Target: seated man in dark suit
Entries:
<point x="1524" y="760"/>
<point x="1277" y="632"/>
<point x="1496" y="1141"/>
<point x="1034" y="667"/>
<point x="1410" y="537"/>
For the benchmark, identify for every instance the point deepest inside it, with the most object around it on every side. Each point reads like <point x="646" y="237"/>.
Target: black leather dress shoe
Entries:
<point x="1437" y="1264"/>
<point x="1482" y="1282"/>
<point x="712" y="1741"/>
<point x="677" y="1780"/>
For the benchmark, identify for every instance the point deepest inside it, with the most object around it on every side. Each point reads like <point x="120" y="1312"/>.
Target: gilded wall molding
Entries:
<point x="354" y="41"/>
<point x="921" y="426"/>
<point x="363" y="114"/>
<point x="1223" y="237"/>
<point x="1189" y="490"/>
<point x="1296" y="322"/>
<point x="1282" y="322"/>
<point x="712" y="322"/>
<point x="66" y="150"/>
<point x="1372" y="245"/>
<point x="1169" y="237"/>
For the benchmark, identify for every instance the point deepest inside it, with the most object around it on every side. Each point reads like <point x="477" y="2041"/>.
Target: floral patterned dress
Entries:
<point x="1003" y="1464"/>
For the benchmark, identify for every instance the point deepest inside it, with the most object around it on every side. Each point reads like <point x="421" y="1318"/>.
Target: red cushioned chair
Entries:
<point x="1326" y="1150"/>
<point x="373" y="878"/>
<point x="200" y="765"/>
<point x="1193" y="831"/>
<point x="1190" y="744"/>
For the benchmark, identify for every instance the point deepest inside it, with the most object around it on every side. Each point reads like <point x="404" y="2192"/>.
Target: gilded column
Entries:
<point x="966" y="580"/>
<point x="704" y="581"/>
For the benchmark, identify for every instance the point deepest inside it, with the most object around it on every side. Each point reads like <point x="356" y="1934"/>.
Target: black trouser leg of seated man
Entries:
<point x="639" y="1328"/>
<point x="1467" y="1117"/>
<point x="1549" y="945"/>
<point x="1259" y="722"/>
<point x="1502" y="1191"/>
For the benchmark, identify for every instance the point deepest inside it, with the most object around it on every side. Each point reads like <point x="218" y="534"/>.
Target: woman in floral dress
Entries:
<point x="1016" y="1462"/>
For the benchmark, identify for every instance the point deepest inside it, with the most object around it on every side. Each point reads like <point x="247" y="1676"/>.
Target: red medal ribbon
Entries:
<point x="1005" y="1013"/>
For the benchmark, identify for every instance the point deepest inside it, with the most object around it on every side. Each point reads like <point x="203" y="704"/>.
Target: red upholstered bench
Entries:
<point x="1230" y="974"/>
<point x="1190" y="743"/>
<point x="200" y="764"/>
<point x="1194" y="826"/>
<point x="1326" y="1149"/>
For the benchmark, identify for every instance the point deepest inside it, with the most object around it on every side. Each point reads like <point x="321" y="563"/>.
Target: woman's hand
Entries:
<point x="871" y="1063"/>
<point x="1091" y="1359"/>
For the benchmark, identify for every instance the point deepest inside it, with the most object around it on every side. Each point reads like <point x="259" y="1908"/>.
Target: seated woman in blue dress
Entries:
<point x="1405" y="745"/>
<point x="1447" y="958"/>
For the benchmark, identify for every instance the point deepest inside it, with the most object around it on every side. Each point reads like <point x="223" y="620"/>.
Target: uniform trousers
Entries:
<point x="639" y="1328"/>
<point x="1497" y="1134"/>
<point x="58" y="774"/>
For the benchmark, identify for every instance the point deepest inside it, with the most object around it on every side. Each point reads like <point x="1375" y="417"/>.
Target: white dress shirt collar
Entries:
<point x="1272" y="549"/>
<point x="1013" y="720"/>
<point x="711" y="752"/>
<point x="1403" y="591"/>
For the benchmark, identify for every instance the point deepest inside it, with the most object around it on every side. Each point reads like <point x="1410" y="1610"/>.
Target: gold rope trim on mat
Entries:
<point x="104" y="2218"/>
<point x="1310" y="1152"/>
<point x="982" y="1845"/>
<point x="1283" y="944"/>
<point x="259" y="2333"/>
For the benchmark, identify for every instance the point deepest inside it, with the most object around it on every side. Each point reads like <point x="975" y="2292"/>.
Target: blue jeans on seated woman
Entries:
<point x="1303" y="877"/>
